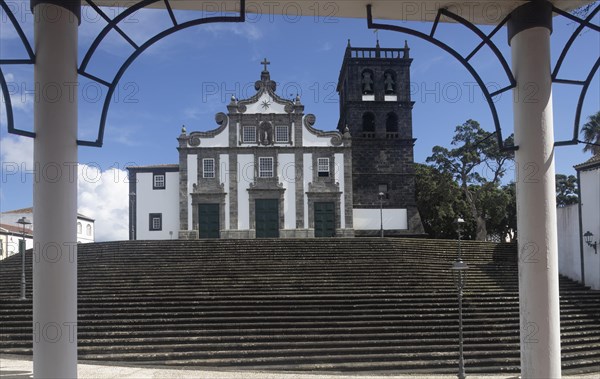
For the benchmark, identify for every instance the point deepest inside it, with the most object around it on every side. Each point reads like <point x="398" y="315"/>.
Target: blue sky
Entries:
<point x="188" y="77"/>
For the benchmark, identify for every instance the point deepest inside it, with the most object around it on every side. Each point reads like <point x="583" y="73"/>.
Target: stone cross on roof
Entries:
<point x="266" y="63"/>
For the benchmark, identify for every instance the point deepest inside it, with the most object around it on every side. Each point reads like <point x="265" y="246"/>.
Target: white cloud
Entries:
<point x="103" y="197"/>
<point x="19" y="99"/>
<point x="249" y="31"/>
<point x="424" y="67"/>
<point x="17" y="150"/>
<point x="325" y="47"/>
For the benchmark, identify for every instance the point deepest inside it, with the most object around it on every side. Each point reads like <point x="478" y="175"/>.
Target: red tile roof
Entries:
<point x="14" y="229"/>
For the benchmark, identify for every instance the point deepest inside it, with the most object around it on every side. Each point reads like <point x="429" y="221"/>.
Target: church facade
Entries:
<point x="267" y="172"/>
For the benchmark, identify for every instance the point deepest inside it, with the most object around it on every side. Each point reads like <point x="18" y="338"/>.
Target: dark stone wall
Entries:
<point x="382" y="157"/>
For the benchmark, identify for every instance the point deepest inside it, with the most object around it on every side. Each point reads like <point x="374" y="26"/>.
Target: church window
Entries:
<point x="368" y="125"/>
<point x="79" y="228"/>
<point x="208" y="168"/>
<point x="249" y="134"/>
<point x="155" y="222"/>
<point x="265" y="167"/>
<point x="88" y="230"/>
<point x="391" y="125"/>
<point x="323" y="167"/>
<point x="159" y="181"/>
<point x="282" y="134"/>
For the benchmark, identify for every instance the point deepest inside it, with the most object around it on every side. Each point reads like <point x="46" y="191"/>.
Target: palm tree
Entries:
<point x="591" y="134"/>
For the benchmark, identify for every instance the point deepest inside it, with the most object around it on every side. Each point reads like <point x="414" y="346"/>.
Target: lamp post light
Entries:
<point x="381" y="196"/>
<point x="459" y="277"/>
<point x="23" y="221"/>
<point x="588" y="240"/>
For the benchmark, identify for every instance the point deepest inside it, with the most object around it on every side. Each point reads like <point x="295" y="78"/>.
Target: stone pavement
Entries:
<point x="12" y="367"/>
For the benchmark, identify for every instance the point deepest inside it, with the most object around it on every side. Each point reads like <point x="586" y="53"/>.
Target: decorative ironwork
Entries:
<point x="113" y="25"/>
<point x="486" y="40"/>
<point x="585" y="84"/>
<point x="31" y="60"/>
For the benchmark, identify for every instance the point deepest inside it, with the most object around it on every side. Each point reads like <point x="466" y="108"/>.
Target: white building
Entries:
<point x="85" y="225"/>
<point x="266" y="172"/>
<point x="577" y="259"/>
<point x="11" y="238"/>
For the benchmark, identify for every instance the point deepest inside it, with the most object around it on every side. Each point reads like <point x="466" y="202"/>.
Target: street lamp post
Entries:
<point x="458" y="274"/>
<point x="23" y="221"/>
<point x="381" y="197"/>
<point x="132" y="212"/>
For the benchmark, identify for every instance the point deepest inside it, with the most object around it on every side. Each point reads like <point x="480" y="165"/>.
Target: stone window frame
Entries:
<point x="79" y="228"/>
<point x="331" y="157"/>
<point x="371" y="117"/>
<point x="159" y="181"/>
<point x="278" y="129"/>
<point x="210" y="173"/>
<point x="323" y="167"/>
<point x="152" y="225"/>
<point x="260" y="167"/>
<point x="246" y="128"/>
<point x="88" y="230"/>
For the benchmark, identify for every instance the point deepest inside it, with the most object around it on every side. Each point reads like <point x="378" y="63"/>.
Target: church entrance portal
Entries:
<point x="208" y="221"/>
<point x="267" y="218"/>
<point x="325" y="219"/>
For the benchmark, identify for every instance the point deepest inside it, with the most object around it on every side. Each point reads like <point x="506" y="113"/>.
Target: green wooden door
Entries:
<point x="267" y="218"/>
<point x="209" y="221"/>
<point x="324" y="219"/>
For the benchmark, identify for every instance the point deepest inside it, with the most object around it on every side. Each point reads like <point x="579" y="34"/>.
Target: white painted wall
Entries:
<point x="569" y="257"/>
<point x="11" y="219"/>
<point x="192" y="179"/>
<point x="370" y="219"/>
<point x="590" y="205"/>
<point x="157" y="201"/>
<point x="286" y="171"/>
<point x="569" y="253"/>
<point x="308" y="177"/>
<point x="10" y="245"/>
<point x="225" y="179"/>
<point x="310" y="139"/>
<point x="220" y="140"/>
<point x="245" y="178"/>
<point x="84" y="237"/>
<point x="258" y="106"/>
<point x="339" y="178"/>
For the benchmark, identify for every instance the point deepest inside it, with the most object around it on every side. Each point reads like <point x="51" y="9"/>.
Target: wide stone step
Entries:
<point x="355" y="305"/>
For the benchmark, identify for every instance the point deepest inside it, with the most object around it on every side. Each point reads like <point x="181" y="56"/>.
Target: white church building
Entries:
<point x="267" y="172"/>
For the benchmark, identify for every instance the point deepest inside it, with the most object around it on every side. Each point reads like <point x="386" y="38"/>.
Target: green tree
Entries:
<point x="474" y="149"/>
<point x="566" y="190"/>
<point x="511" y="211"/>
<point x="591" y="134"/>
<point x="439" y="200"/>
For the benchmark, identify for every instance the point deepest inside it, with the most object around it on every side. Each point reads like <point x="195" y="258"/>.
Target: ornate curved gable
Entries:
<point x="265" y="101"/>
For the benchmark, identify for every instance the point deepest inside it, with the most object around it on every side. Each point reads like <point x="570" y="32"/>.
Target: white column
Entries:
<point x="55" y="192"/>
<point x="529" y="35"/>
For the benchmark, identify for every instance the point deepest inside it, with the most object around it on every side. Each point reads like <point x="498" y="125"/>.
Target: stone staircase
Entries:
<point x="344" y="305"/>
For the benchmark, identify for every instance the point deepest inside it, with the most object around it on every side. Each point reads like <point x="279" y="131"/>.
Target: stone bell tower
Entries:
<point x="375" y="105"/>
